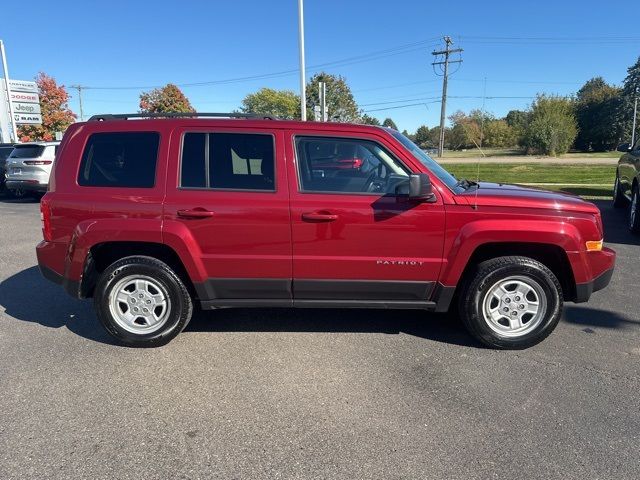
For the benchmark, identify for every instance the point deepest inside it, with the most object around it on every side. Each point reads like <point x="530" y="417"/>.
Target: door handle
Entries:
<point x="195" y="213"/>
<point x="319" y="217"/>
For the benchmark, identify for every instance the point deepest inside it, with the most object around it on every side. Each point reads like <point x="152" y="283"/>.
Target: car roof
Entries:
<point x="265" y="123"/>
<point x="38" y="144"/>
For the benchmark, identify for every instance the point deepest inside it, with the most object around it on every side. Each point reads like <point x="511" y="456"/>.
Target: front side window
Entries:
<point x="237" y="161"/>
<point x="348" y="166"/>
<point x="120" y="159"/>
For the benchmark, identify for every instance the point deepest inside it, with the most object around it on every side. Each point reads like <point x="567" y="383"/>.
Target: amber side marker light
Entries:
<point x="594" y="246"/>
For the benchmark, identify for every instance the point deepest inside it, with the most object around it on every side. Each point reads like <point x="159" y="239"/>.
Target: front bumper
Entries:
<point x="602" y="265"/>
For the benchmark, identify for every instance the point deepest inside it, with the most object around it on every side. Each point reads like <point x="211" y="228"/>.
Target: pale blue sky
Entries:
<point x="520" y="48"/>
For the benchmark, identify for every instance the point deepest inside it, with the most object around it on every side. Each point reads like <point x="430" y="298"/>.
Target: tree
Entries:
<point x="56" y="114"/>
<point x="597" y="113"/>
<point x="518" y="121"/>
<point x="423" y="137"/>
<point x="369" y="120"/>
<point x="498" y="134"/>
<point x="340" y="102"/>
<point x="630" y="90"/>
<point x="266" y="101"/>
<point x="389" y="123"/>
<point x="165" y="100"/>
<point x="553" y="127"/>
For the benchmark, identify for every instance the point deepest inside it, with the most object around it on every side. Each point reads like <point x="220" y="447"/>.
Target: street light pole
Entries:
<point x="303" y="95"/>
<point x="6" y="84"/>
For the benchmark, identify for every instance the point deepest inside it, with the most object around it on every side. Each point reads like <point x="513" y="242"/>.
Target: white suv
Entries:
<point x="29" y="167"/>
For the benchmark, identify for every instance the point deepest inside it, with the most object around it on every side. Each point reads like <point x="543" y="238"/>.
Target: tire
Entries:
<point x="634" y="210"/>
<point x="482" y="312"/>
<point x="149" y="285"/>
<point x="619" y="200"/>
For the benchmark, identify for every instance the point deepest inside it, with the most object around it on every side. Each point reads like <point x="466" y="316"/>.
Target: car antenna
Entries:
<point x="475" y="200"/>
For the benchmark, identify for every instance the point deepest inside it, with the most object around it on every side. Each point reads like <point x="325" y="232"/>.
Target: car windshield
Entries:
<point x="433" y="166"/>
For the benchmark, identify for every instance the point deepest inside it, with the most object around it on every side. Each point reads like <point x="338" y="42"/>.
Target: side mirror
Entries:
<point x="624" y="147"/>
<point x="420" y="187"/>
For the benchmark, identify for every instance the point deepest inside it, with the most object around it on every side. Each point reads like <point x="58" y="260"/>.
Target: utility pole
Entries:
<point x="322" y="95"/>
<point x="303" y="95"/>
<point x="5" y="69"/>
<point x="445" y="79"/>
<point x="635" y="117"/>
<point x="79" y="88"/>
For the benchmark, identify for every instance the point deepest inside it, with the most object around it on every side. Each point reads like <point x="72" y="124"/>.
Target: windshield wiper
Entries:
<point x="466" y="184"/>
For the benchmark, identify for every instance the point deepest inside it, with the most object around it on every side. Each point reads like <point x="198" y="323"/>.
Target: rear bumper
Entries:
<point x="28" y="185"/>
<point x="602" y="265"/>
<point x="43" y="252"/>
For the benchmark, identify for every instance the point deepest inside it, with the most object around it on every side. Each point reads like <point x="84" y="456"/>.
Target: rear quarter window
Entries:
<point x="120" y="159"/>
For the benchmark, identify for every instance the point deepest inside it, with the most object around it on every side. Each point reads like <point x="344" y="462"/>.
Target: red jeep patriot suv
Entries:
<point x="150" y="216"/>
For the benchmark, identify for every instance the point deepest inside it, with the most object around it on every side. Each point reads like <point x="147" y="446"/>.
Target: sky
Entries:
<point x="513" y="49"/>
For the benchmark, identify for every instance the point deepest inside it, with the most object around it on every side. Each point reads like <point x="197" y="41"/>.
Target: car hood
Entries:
<point x="503" y="195"/>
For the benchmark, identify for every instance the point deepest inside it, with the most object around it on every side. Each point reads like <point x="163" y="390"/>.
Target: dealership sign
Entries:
<point x="25" y="102"/>
<point x="19" y="107"/>
<point x="25" y="119"/>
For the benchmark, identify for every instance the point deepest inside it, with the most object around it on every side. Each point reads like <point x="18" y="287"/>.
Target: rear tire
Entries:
<point x="511" y="302"/>
<point x="142" y="302"/>
<point x="619" y="200"/>
<point x="634" y="210"/>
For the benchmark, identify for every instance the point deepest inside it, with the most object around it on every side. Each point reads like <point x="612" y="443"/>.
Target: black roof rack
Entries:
<point x="126" y="116"/>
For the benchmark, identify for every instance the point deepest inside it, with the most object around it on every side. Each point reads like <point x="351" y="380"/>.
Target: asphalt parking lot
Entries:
<point x="313" y="393"/>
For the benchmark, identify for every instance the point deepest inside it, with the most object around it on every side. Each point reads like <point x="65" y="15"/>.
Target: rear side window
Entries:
<point x="27" y="151"/>
<point x="237" y="161"/>
<point x="120" y="159"/>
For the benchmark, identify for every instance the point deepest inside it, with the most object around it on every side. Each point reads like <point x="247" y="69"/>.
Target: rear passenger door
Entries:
<point x="227" y="207"/>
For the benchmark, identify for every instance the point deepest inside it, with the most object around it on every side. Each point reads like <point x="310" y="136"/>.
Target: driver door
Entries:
<point x="354" y="239"/>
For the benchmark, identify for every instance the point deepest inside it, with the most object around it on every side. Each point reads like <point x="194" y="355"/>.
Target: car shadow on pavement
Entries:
<point x="430" y="326"/>
<point x="28" y="297"/>
<point x="593" y="317"/>
<point x="614" y="221"/>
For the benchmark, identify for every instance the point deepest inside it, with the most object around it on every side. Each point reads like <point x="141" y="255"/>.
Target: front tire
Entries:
<point x="511" y="302"/>
<point x="142" y="302"/>
<point x="634" y="210"/>
<point x="619" y="200"/>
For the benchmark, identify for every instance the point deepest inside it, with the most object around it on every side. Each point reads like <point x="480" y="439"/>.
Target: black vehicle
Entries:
<point x="5" y="151"/>
<point x="626" y="190"/>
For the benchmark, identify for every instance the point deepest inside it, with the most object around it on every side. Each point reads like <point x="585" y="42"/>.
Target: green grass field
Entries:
<point x="576" y="179"/>
<point x="514" y="152"/>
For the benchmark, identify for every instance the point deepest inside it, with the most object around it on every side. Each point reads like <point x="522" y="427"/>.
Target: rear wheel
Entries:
<point x="142" y="302"/>
<point x="511" y="302"/>
<point x="619" y="200"/>
<point x="634" y="210"/>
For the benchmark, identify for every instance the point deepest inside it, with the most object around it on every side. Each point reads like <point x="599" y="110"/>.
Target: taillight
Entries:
<point x="45" y="216"/>
<point x="38" y="162"/>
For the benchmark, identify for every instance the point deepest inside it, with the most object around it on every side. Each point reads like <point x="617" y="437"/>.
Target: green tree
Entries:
<point x="518" y="121"/>
<point x="369" y="120"/>
<point x="498" y="134"/>
<point x="341" y="105"/>
<point x="283" y="104"/>
<point x="630" y="89"/>
<point x="56" y="115"/>
<point x="597" y="113"/>
<point x="552" y="127"/>
<point x="423" y="137"/>
<point x="166" y="99"/>
<point x="389" y="123"/>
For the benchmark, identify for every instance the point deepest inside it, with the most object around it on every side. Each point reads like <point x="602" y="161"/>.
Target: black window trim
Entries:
<point x="335" y="137"/>
<point x="208" y="132"/>
<point x="84" y="147"/>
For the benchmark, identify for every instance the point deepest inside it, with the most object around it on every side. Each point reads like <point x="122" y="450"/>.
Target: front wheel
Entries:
<point x="142" y="302"/>
<point x="619" y="200"/>
<point x="511" y="302"/>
